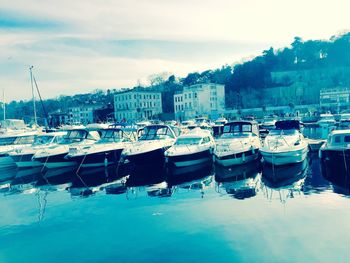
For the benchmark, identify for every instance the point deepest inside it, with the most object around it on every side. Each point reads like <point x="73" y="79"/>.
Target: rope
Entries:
<point x="81" y="164"/>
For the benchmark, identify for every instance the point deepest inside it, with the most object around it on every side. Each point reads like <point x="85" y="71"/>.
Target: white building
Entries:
<point x="200" y="100"/>
<point x="82" y="114"/>
<point x="136" y="105"/>
<point x="335" y="96"/>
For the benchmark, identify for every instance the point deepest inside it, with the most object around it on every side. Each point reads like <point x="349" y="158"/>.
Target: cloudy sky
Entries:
<point x="78" y="46"/>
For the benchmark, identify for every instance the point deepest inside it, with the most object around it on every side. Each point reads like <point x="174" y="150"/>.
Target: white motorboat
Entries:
<point x="23" y="156"/>
<point x="13" y="141"/>
<point x="192" y="148"/>
<point x="54" y="157"/>
<point x="326" y="120"/>
<point x="186" y="124"/>
<point x="152" y="144"/>
<point x="142" y="124"/>
<point x="105" y="151"/>
<point x="335" y="153"/>
<point x="268" y="123"/>
<point x="344" y="122"/>
<point x="238" y="144"/>
<point x="285" y="144"/>
<point x="218" y="126"/>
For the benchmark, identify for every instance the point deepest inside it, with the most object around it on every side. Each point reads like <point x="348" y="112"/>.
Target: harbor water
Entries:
<point x="249" y="213"/>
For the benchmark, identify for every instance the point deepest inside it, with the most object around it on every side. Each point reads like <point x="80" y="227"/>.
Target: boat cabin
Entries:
<point x="158" y="132"/>
<point x="195" y="137"/>
<point x="22" y="138"/>
<point x="339" y="138"/>
<point x="79" y="135"/>
<point x="240" y="128"/>
<point x="118" y="135"/>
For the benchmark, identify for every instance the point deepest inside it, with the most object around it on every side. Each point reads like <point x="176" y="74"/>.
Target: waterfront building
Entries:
<point x="136" y="105"/>
<point x="200" y="100"/>
<point x="335" y="98"/>
<point x="58" y="118"/>
<point x="83" y="114"/>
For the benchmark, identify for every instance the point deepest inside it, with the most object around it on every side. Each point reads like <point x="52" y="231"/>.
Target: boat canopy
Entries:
<point x="156" y="132"/>
<point x="288" y="125"/>
<point x="238" y="127"/>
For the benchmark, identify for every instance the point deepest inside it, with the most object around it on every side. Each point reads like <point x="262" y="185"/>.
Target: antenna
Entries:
<point x="3" y="104"/>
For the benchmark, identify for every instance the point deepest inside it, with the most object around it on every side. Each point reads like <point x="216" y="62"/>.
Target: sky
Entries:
<point x="81" y="45"/>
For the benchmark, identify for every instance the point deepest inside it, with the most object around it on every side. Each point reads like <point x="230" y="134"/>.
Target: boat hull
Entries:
<point x="155" y="156"/>
<point x="336" y="160"/>
<point x="55" y="161"/>
<point x="190" y="159"/>
<point x="25" y="161"/>
<point x="237" y="158"/>
<point x="97" y="159"/>
<point x="283" y="158"/>
<point x="6" y="161"/>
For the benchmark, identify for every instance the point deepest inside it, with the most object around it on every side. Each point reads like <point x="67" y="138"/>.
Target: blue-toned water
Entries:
<point x="251" y="213"/>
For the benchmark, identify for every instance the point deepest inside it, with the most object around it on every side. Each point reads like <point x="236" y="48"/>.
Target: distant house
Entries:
<point x="201" y="99"/>
<point x="104" y="114"/>
<point x="83" y="114"/>
<point x="58" y="118"/>
<point x="335" y="97"/>
<point x="133" y="105"/>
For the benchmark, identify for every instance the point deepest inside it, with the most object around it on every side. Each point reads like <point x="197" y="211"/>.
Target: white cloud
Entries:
<point x="65" y="68"/>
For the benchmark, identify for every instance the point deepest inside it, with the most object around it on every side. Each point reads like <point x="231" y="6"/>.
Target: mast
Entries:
<point x="3" y="104"/>
<point x="31" y="82"/>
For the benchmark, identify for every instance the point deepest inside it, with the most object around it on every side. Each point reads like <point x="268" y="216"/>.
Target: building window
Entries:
<point x="195" y="94"/>
<point x="185" y="105"/>
<point x="190" y="104"/>
<point x="185" y="96"/>
<point x="189" y="95"/>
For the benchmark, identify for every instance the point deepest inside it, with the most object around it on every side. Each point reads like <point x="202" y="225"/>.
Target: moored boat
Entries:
<point x="192" y="148"/>
<point x="285" y="144"/>
<point x="152" y="144"/>
<point x="326" y="120"/>
<point x="23" y="156"/>
<point x="105" y="151"/>
<point x="238" y="144"/>
<point x="336" y="151"/>
<point x="54" y="157"/>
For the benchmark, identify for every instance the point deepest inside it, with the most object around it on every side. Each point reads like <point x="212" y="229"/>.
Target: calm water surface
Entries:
<point x="245" y="214"/>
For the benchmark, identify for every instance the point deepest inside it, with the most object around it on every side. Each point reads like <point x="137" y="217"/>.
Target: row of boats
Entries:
<point x="160" y="144"/>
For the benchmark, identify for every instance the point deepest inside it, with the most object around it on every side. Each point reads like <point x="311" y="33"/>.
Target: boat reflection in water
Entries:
<point x="7" y="173"/>
<point x="338" y="175"/>
<point x="199" y="178"/>
<point x="240" y="182"/>
<point x="281" y="175"/>
<point x="25" y="181"/>
<point x="149" y="179"/>
<point x="286" y="180"/>
<point x="90" y="181"/>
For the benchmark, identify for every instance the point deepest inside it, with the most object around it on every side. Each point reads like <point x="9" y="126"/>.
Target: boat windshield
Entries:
<point x="7" y="141"/>
<point x="283" y="132"/>
<point x="41" y="140"/>
<point x="237" y="128"/>
<point x="73" y="136"/>
<point x="156" y="133"/>
<point x="24" y="140"/>
<point x="235" y="134"/>
<point x="112" y="136"/>
<point x="188" y="141"/>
